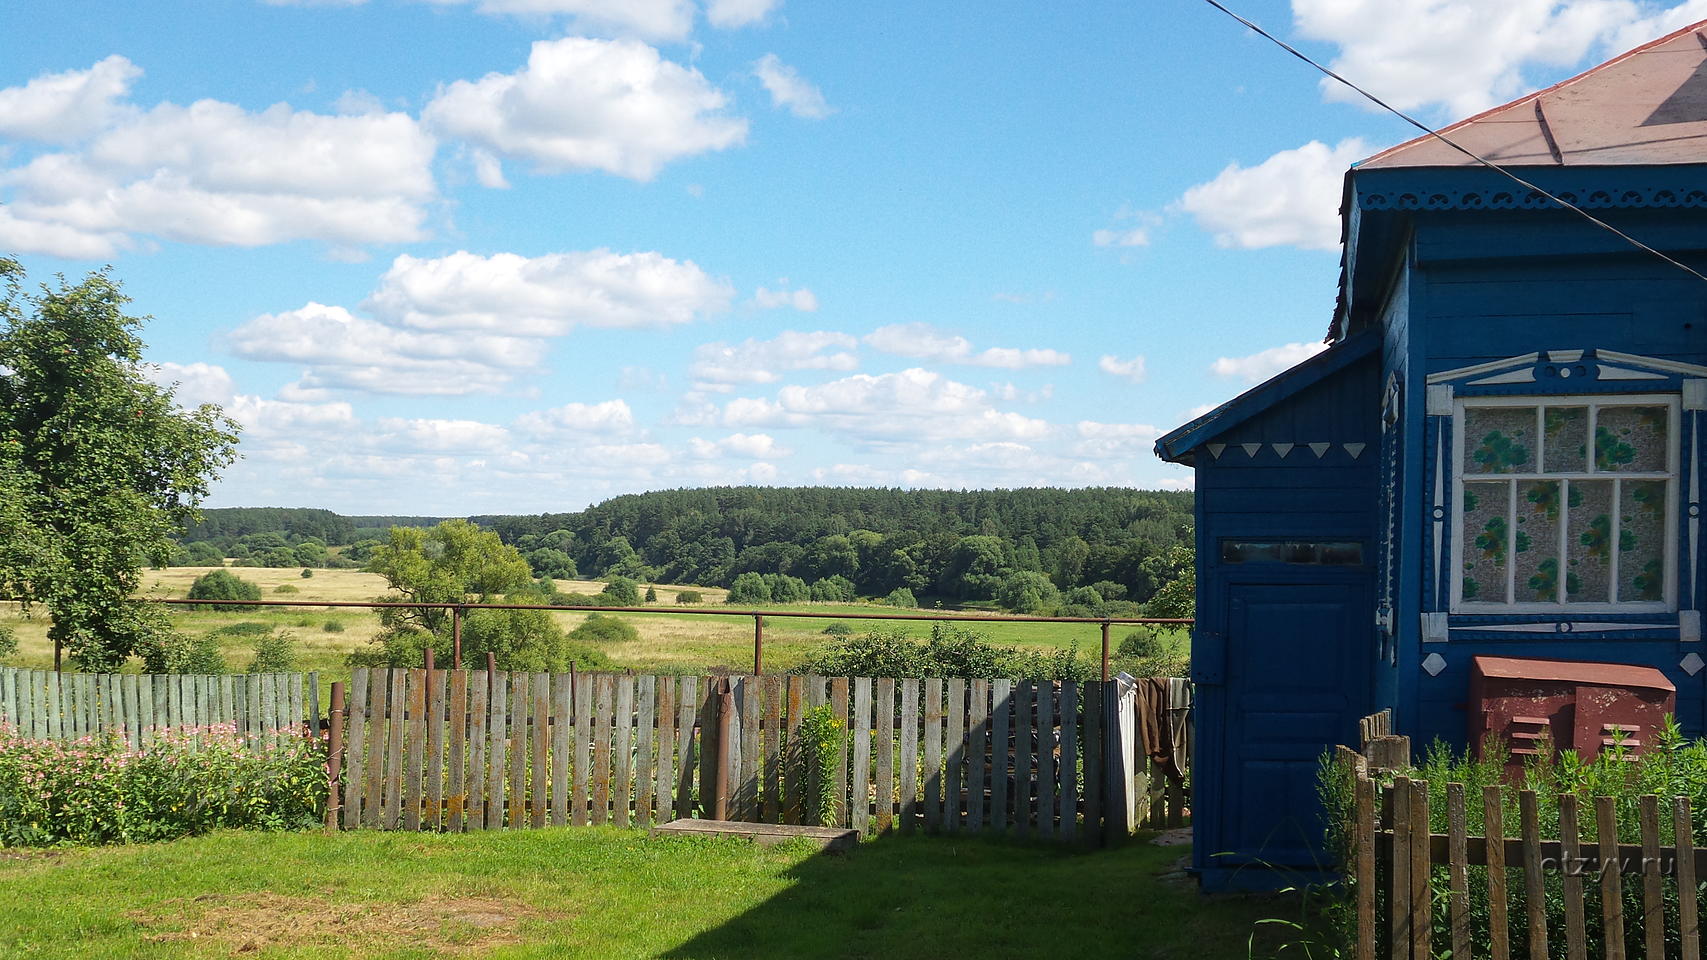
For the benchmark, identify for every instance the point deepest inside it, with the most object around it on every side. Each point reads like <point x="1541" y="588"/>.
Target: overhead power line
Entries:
<point x="1425" y="128"/>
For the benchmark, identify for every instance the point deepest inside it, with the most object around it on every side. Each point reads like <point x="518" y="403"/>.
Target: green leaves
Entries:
<point x="98" y="466"/>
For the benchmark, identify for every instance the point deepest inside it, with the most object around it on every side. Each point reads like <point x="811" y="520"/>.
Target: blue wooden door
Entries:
<point x="1297" y="680"/>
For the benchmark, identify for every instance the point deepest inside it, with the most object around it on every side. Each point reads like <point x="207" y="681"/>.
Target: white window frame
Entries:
<point x="1594" y="402"/>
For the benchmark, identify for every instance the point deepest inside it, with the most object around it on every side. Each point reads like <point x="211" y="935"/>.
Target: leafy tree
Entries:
<point x="275" y="652"/>
<point x="454" y="562"/>
<point x="750" y="588"/>
<point x="977" y="567"/>
<point x="223" y="585"/>
<point x="787" y="589"/>
<point x="199" y="554"/>
<point x="833" y="590"/>
<point x="1027" y="591"/>
<point x="1070" y="559"/>
<point x="98" y="465"/>
<point x="620" y="592"/>
<point x="1178" y="595"/>
<point x="601" y="629"/>
<point x="651" y="594"/>
<point x="549" y="562"/>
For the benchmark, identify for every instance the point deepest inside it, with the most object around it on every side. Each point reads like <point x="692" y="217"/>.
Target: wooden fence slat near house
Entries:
<point x="1575" y="898"/>
<point x="41" y="704"/>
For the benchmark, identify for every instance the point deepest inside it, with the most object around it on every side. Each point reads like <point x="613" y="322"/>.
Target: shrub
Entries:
<point x="836" y="589"/>
<point x="247" y="628"/>
<point x="901" y="597"/>
<point x="838" y="629"/>
<point x="787" y="589"/>
<point x="750" y="588"/>
<point x="1142" y="642"/>
<point x="950" y="651"/>
<point x="620" y="592"/>
<point x="689" y="596"/>
<point x="274" y="653"/>
<point x="1028" y="591"/>
<point x="333" y="626"/>
<point x="223" y="585"/>
<point x="177" y="653"/>
<point x="651" y="594"/>
<point x="95" y="790"/>
<point x="306" y="573"/>
<point x="285" y="588"/>
<point x="8" y="642"/>
<point x="600" y="629"/>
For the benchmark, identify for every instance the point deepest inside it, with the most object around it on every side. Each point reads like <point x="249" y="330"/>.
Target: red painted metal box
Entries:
<point x="1574" y="705"/>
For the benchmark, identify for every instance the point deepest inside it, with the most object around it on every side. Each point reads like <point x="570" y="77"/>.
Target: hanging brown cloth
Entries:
<point x="1155" y="725"/>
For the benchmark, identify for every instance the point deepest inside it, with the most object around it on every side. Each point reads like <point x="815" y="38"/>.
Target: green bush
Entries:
<point x="96" y="790"/>
<point x="285" y="588"/>
<point x="8" y="642"/>
<point x="247" y="628"/>
<point x="1674" y="766"/>
<point x="620" y="592"/>
<point x="274" y="653"/>
<point x="177" y="653"/>
<point x="223" y="585"/>
<point x="333" y="626"/>
<point x="651" y="594"/>
<point x="750" y="588"/>
<point x="600" y="629"/>
<point x="950" y="651"/>
<point x="901" y="597"/>
<point x="838" y="629"/>
<point x="1028" y="591"/>
<point x="306" y="573"/>
<point x="689" y="596"/>
<point x="1142" y="642"/>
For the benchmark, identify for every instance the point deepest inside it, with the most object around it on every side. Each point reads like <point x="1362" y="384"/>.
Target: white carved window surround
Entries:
<point x="1565" y="504"/>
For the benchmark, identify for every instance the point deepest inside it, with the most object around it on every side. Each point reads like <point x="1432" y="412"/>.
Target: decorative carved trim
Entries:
<point x="1689" y="626"/>
<point x="1566" y="626"/>
<point x="1519" y="199"/>
<point x="1434" y="628"/>
<point x="1433" y="664"/>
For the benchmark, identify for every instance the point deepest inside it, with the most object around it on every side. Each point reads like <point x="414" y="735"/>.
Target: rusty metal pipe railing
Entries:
<point x="459" y="609"/>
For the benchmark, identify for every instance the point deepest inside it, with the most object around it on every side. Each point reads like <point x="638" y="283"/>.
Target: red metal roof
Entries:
<point x="1647" y="106"/>
<point x="1572" y="671"/>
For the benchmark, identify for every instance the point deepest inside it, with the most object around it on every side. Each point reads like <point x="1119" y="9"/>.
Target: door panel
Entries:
<point x="1298" y="677"/>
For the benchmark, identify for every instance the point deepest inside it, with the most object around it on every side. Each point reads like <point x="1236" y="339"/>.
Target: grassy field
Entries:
<point x="609" y="893"/>
<point x="666" y="643"/>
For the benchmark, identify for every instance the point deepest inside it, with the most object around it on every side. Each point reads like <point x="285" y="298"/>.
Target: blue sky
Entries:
<point x="475" y="256"/>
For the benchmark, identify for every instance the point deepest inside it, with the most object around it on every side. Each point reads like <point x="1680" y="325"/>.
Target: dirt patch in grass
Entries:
<point x="247" y="923"/>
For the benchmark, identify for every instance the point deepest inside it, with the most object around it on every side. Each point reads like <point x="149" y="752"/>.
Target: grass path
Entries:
<point x="608" y="893"/>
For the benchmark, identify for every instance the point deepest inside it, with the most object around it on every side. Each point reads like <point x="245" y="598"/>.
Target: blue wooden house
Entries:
<point x="1499" y="452"/>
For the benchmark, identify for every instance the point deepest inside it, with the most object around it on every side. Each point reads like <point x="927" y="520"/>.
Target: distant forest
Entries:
<point x="960" y="546"/>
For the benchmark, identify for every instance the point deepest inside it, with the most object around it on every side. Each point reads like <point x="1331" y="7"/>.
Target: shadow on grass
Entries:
<point x="951" y="897"/>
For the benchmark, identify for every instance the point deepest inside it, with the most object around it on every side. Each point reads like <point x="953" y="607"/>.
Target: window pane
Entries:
<point x="1641" y="540"/>
<point x="1330" y="553"/>
<point x="1566" y="442"/>
<point x="1486" y="524"/>
<point x="1499" y="439"/>
<point x="1588" y="522"/>
<point x="1537" y="546"/>
<point x="1631" y="439"/>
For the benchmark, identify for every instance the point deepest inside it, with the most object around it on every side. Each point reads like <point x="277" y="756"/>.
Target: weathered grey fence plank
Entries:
<point x="687" y="707"/>
<point x="373" y="776"/>
<point x="355" y="738"/>
<point x="1046" y="758"/>
<point x="604" y="707"/>
<point x="859" y="787"/>
<point x="479" y="737"/>
<point x="954" y="754"/>
<point x="908" y="755"/>
<point x="839" y="704"/>
<point x="1069" y="790"/>
<point x="665" y="768"/>
<point x="415" y="756"/>
<point x="978" y="747"/>
<point x="622" y="746"/>
<point x="436" y="722"/>
<point x="539" y="740"/>
<point x="561" y="691"/>
<point x="456" y="803"/>
<point x="645" y="703"/>
<point x="773" y="759"/>
<point x="1001" y="694"/>
<point x="1025" y="755"/>
<point x="932" y="709"/>
<point x="583" y="749"/>
<point x="884" y="693"/>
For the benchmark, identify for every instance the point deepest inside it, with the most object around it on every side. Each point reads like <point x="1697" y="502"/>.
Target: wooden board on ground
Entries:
<point x="830" y="838"/>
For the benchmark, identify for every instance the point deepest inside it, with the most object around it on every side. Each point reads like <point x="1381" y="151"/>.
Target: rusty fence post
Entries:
<point x="429" y="652"/>
<point x="58" y="657"/>
<point x="456" y="638"/>
<point x="725" y="736"/>
<point x="1105" y="651"/>
<point x="758" y="645"/>
<point x="335" y="756"/>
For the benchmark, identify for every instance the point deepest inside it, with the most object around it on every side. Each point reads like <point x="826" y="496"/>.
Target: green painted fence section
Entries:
<point x="42" y="704"/>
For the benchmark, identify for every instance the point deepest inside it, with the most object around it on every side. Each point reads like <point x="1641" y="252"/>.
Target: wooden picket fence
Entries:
<point x="464" y="750"/>
<point x="42" y="704"/>
<point x="1413" y="886"/>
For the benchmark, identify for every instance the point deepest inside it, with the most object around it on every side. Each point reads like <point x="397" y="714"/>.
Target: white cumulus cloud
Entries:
<point x="1133" y="369"/>
<point x="764" y="361"/>
<point x="547" y="295"/>
<point x="910" y="406"/>
<point x="728" y="14"/>
<point x="789" y="90"/>
<point x="1264" y="364"/>
<point x="65" y="107"/>
<point x="1290" y="199"/>
<point x="921" y="341"/>
<point x="589" y="104"/>
<point x="607" y="417"/>
<point x="800" y="299"/>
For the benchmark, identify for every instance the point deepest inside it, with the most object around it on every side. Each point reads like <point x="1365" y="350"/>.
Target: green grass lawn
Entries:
<point x="609" y="893"/>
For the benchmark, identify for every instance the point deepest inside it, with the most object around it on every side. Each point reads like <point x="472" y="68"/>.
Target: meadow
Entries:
<point x="667" y="642"/>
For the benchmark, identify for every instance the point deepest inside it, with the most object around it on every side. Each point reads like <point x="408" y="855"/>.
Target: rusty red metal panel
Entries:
<point x="1535" y="705"/>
